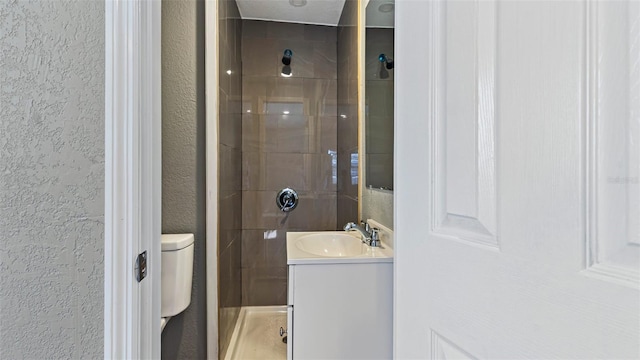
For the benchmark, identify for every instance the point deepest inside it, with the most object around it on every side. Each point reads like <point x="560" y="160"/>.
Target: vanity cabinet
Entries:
<point x="340" y="310"/>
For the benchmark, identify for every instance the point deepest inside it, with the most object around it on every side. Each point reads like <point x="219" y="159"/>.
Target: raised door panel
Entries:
<point x="464" y="123"/>
<point x="444" y="349"/>
<point x="540" y="110"/>
<point x="613" y="146"/>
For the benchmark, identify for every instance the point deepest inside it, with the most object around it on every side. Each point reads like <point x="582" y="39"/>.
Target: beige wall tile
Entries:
<point x="264" y="286"/>
<point x="285" y="150"/>
<point x="269" y="134"/>
<point x="320" y="169"/>
<point x="230" y="162"/>
<point x="286" y="170"/>
<point x="321" y="96"/>
<point x="325" y="60"/>
<point x="282" y="30"/>
<point x="315" y="212"/>
<point x="328" y="134"/>
<point x="254" y="29"/>
<point x="281" y="92"/>
<point x="259" y="57"/>
<point x="347" y="210"/>
<point x="260" y="211"/>
<point x="251" y="129"/>
<point x="230" y="218"/>
<point x="253" y="170"/>
<point x="320" y="33"/>
<point x="254" y="93"/>
<point x="230" y="129"/>
<point x="253" y="249"/>
<point x="292" y="133"/>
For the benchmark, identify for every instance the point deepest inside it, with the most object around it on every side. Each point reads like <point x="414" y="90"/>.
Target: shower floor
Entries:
<point x="256" y="335"/>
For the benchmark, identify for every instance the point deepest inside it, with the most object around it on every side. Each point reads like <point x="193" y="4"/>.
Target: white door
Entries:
<point x="517" y="171"/>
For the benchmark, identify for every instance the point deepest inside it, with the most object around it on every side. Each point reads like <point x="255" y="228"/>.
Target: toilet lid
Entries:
<point x="172" y="242"/>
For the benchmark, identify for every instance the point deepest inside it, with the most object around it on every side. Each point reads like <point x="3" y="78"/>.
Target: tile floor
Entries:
<point x="256" y="335"/>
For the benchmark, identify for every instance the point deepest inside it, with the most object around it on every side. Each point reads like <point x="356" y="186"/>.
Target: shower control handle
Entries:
<point x="287" y="199"/>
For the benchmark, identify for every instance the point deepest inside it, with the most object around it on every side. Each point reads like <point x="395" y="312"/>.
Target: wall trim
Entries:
<point x="132" y="178"/>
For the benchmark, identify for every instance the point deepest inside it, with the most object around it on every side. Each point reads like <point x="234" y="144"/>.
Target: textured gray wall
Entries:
<point x="183" y="162"/>
<point x="51" y="179"/>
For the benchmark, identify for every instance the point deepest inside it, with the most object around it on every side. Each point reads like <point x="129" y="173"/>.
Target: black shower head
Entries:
<point x="286" y="59"/>
<point x="388" y="62"/>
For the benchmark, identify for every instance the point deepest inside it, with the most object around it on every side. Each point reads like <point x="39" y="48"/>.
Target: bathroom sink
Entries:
<point x="331" y="245"/>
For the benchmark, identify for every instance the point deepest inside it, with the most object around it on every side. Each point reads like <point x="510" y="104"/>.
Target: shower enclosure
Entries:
<point x="285" y="119"/>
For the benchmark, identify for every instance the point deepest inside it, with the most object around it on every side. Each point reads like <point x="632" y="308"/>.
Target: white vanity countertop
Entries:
<point x="366" y="254"/>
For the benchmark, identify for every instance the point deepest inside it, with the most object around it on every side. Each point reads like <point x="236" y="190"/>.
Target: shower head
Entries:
<point x="388" y="62"/>
<point x="286" y="59"/>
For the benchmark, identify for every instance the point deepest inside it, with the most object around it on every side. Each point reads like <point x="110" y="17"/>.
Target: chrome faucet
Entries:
<point x="369" y="236"/>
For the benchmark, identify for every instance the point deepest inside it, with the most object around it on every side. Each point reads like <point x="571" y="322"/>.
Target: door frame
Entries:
<point x="132" y="178"/>
<point x="211" y="158"/>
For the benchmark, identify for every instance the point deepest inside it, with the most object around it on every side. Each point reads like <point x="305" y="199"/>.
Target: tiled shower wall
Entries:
<point x="230" y="162"/>
<point x="289" y="140"/>
<point x="348" y="110"/>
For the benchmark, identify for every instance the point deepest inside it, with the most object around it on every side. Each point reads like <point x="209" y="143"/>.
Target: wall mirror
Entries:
<point x="378" y="94"/>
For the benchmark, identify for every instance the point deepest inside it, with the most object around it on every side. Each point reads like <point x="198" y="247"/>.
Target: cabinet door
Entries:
<point x="343" y="311"/>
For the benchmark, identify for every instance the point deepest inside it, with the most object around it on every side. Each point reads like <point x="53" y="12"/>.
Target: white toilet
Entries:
<point x="177" y="274"/>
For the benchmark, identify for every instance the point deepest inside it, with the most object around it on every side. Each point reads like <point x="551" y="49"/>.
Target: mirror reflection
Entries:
<point x="379" y="69"/>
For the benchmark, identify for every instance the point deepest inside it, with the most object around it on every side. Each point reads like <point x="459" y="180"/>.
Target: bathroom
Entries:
<point x="276" y="132"/>
<point x="304" y="131"/>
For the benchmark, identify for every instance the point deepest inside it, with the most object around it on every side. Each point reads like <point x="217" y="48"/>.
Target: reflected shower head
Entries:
<point x="386" y="60"/>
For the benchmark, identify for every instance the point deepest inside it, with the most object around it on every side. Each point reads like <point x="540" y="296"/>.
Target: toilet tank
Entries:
<point x="177" y="272"/>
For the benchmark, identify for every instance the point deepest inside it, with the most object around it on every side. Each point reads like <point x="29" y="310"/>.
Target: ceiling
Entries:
<point x="377" y="17"/>
<point x="319" y="12"/>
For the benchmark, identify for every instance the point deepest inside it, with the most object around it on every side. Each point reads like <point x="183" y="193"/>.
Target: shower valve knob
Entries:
<point x="287" y="199"/>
